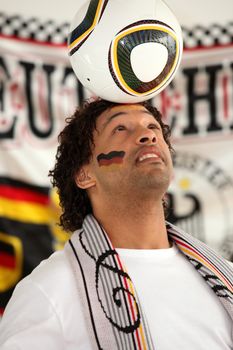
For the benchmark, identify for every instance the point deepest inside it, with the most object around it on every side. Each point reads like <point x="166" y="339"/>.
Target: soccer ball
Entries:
<point x="125" y="51"/>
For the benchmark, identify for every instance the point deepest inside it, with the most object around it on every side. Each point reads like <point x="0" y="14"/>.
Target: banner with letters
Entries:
<point x="38" y="90"/>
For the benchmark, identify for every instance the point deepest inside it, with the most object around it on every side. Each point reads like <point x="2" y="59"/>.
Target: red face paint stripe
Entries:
<point x="110" y="161"/>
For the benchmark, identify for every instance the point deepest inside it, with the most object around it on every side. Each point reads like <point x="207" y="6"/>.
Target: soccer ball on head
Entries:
<point x="125" y="51"/>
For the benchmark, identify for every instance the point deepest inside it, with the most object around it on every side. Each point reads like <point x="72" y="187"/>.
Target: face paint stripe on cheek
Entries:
<point x="114" y="157"/>
<point x="116" y="160"/>
<point x="111" y="167"/>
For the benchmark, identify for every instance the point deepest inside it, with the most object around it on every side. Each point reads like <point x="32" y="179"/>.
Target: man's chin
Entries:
<point x="152" y="181"/>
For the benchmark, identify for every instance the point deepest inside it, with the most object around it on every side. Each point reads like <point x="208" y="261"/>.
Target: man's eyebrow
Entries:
<point x="117" y="114"/>
<point x="113" y="116"/>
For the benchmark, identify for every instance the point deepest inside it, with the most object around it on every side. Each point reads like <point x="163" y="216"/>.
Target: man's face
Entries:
<point x="129" y="151"/>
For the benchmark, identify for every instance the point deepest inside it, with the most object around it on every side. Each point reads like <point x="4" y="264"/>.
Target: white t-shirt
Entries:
<point x="182" y="312"/>
<point x="181" y="309"/>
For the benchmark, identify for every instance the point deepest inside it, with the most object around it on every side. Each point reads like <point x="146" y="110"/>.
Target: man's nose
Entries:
<point x="146" y="136"/>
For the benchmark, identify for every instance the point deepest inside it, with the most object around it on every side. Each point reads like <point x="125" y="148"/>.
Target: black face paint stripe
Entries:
<point x="110" y="155"/>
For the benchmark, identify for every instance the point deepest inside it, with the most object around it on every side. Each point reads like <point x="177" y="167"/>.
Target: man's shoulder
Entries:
<point x="54" y="268"/>
<point x="51" y="283"/>
<point x="40" y="302"/>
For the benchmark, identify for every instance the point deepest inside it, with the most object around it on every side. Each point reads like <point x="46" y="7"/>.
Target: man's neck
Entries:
<point x="135" y="226"/>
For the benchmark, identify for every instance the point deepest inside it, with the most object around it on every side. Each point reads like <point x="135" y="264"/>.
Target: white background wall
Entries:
<point x="189" y="12"/>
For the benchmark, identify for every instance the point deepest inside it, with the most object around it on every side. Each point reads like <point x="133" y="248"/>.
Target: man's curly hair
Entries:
<point x="75" y="150"/>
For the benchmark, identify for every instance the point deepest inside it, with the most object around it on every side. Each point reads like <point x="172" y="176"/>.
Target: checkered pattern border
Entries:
<point x="213" y="35"/>
<point x="33" y="29"/>
<point x="54" y="33"/>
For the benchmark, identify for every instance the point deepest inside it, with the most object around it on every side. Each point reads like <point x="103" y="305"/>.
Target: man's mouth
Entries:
<point x="150" y="153"/>
<point x="147" y="156"/>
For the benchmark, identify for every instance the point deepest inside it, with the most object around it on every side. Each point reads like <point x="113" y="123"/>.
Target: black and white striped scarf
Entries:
<point x="111" y="305"/>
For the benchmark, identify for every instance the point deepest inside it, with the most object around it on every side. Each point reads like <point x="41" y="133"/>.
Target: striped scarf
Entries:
<point x="111" y="305"/>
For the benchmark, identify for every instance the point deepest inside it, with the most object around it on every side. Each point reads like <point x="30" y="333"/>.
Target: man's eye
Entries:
<point x="153" y="126"/>
<point x="120" y="128"/>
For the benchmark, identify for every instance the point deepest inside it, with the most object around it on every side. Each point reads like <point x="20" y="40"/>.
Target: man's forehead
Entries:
<point x="125" y="108"/>
<point x="120" y="111"/>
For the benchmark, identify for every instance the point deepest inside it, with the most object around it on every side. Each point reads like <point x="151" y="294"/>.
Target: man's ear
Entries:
<point x="84" y="179"/>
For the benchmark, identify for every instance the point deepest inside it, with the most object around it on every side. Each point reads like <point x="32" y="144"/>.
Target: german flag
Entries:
<point x="28" y="231"/>
<point x="112" y="160"/>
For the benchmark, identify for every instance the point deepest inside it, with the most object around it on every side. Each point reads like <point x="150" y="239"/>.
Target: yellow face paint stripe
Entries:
<point x="112" y="167"/>
<point x="115" y="60"/>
